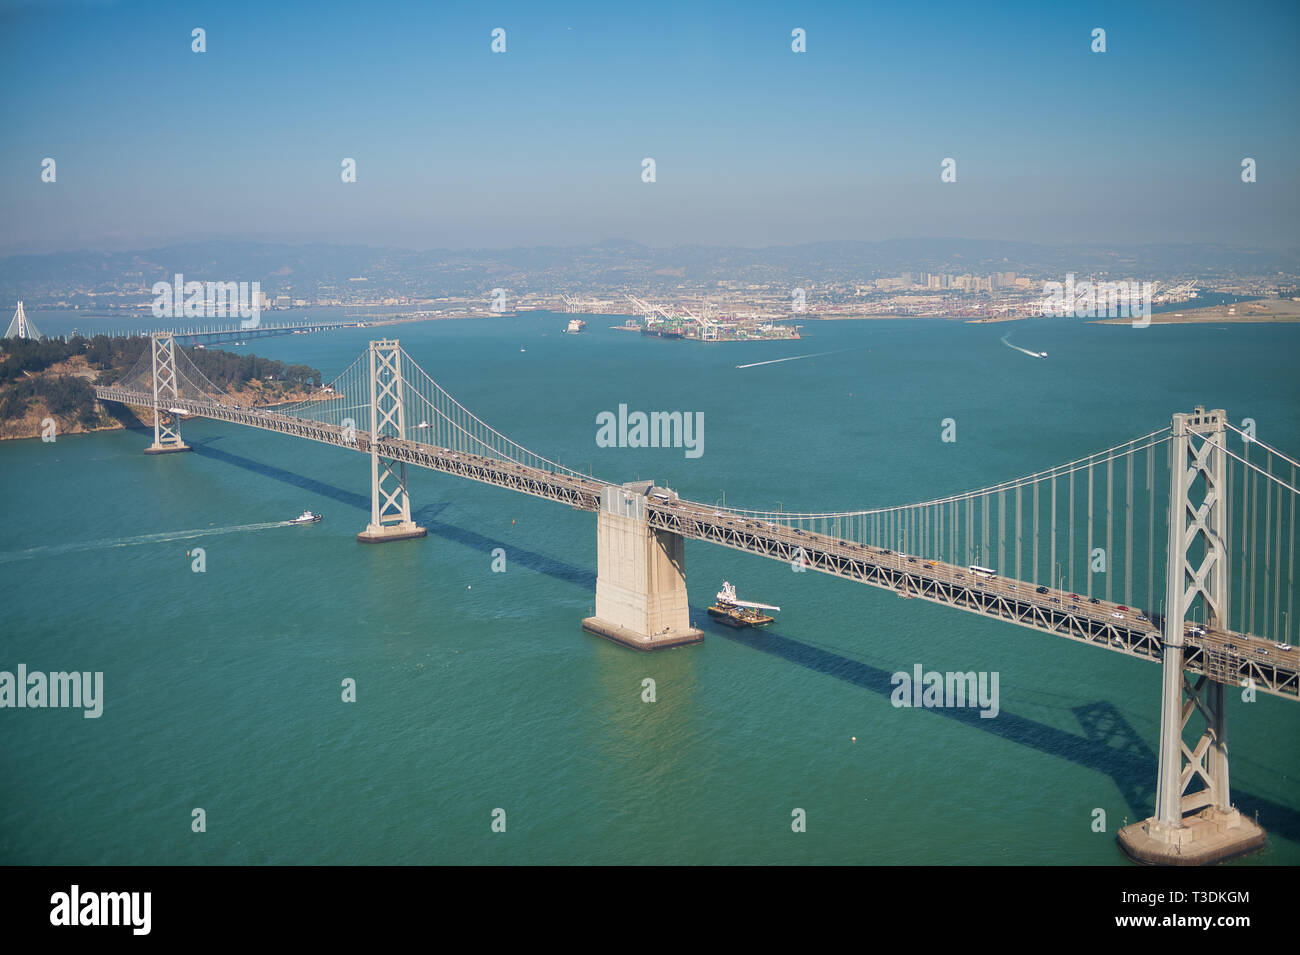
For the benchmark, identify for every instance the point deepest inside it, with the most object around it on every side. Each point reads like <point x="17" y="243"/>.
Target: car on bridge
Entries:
<point x="1041" y="590"/>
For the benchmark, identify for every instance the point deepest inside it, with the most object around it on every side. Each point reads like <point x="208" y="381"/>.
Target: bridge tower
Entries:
<point x="166" y="424"/>
<point x="390" y="505"/>
<point x="640" y="575"/>
<point x="1202" y="826"/>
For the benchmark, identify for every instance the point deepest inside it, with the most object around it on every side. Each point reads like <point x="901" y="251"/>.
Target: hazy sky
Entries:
<point x="457" y="146"/>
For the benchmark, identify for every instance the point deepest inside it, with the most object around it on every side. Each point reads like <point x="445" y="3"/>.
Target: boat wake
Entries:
<point x="1006" y="340"/>
<point x="53" y="550"/>
<point x="777" y="361"/>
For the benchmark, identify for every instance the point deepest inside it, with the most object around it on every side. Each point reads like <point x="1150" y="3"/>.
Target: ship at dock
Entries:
<point x="739" y="613"/>
<point x="685" y="325"/>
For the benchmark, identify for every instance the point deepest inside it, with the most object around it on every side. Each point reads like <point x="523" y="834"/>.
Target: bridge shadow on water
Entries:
<point x="1109" y="744"/>
<point x="426" y="516"/>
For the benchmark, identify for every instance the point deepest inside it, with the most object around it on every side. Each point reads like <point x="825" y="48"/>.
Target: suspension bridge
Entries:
<point x="1176" y="547"/>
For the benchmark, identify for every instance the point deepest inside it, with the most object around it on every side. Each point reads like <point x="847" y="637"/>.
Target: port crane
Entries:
<point x="708" y="327"/>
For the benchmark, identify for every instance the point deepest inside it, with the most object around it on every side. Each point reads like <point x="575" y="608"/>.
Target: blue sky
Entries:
<point x="755" y="145"/>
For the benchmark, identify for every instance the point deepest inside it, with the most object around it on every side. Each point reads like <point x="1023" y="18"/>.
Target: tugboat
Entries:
<point x="739" y="613"/>
<point x="307" y="517"/>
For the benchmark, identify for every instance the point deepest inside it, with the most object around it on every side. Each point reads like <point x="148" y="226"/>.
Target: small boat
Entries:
<point x="306" y="517"/>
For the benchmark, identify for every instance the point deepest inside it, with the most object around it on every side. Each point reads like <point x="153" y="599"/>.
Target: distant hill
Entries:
<point x="313" y="270"/>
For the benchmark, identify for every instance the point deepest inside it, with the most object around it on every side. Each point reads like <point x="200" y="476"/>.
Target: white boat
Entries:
<point x="306" y="517"/>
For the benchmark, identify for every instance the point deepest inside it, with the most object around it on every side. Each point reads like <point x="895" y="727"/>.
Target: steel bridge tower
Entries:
<point x="1193" y="828"/>
<point x="390" y="505"/>
<point x="166" y="423"/>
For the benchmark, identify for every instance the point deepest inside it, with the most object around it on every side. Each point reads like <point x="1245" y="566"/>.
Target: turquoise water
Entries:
<point x="478" y="690"/>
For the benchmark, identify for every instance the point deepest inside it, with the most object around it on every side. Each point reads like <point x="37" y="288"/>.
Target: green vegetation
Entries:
<point x="224" y="368"/>
<point x="63" y="396"/>
<point x="25" y="379"/>
<point x="101" y="353"/>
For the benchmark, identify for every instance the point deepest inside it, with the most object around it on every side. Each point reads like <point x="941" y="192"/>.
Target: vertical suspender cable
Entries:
<point x="1051" y="569"/>
<point x="1244" y="570"/>
<point x="1070" y="524"/>
<point x="1002" y="532"/>
<point x="1151" y="532"/>
<point x="1035" y="567"/>
<point x="1277" y="564"/>
<point x="1268" y="542"/>
<point x="1254" y="542"/>
<point x="1128" y="531"/>
<point x="982" y="556"/>
<point x="1290" y="565"/>
<point x="1110" y="526"/>
<point x="1018" y="576"/>
<point x="1088" y="562"/>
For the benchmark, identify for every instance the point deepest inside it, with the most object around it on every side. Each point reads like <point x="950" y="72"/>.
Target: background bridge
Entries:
<point x="1191" y="526"/>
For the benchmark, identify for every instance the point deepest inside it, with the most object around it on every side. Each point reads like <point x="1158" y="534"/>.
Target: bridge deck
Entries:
<point x="1222" y="656"/>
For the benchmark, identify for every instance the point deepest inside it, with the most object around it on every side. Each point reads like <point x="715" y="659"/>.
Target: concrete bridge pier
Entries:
<point x="641" y="576"/>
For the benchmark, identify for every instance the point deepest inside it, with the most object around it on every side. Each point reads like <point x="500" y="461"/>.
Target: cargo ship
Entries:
<point x="576" y="325"/>
<point x="739" y="613"/>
